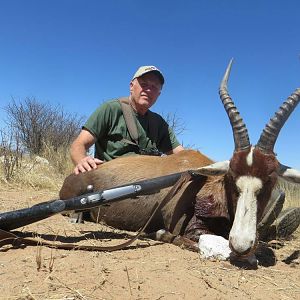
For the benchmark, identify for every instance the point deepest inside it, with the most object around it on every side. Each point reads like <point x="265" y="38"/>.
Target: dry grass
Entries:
<point x="59" y="159"/>
<point x="292" y="193"/>
<point x="47" y="172"/>
<point x="35" y="176"/>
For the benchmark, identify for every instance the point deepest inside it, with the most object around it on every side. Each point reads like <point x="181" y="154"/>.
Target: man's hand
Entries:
<point x="88" y="163"/>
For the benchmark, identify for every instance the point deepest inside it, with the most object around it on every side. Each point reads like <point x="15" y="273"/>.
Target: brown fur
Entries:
<point x="131" y="214"/>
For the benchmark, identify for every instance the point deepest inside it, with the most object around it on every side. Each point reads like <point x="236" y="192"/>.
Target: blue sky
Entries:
<point x="79" y="53"/>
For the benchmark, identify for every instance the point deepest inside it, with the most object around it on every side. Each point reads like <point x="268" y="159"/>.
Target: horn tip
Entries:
<point x="226" y="75"/>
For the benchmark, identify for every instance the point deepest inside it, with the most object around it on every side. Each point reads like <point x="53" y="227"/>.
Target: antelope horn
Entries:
<point x="269" y="135"/>
<point x="240" y="133"/>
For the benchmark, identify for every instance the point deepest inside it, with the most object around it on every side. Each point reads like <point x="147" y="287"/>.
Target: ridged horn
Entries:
<point x="240" y="133"/>
<point x="270" y="133"/>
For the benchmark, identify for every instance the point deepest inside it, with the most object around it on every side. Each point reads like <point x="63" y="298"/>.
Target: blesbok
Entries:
<point x="229" y="198"/>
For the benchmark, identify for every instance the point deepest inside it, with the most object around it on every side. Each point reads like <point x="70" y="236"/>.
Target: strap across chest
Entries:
<point x="130" y="121"/>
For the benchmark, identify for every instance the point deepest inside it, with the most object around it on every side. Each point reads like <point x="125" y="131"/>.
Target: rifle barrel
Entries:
<point x="18" y="218"/>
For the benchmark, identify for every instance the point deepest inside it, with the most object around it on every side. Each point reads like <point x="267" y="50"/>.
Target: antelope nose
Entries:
<point x="241" y="247"/>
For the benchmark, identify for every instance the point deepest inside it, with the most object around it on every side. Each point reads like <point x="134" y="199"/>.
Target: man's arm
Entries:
<point x="79" y="147"/>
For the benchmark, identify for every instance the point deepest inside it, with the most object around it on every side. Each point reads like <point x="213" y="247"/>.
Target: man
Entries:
<point x="106" y="127"/>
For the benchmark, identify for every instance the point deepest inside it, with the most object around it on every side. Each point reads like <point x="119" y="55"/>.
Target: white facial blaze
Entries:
<point x="243" y="232"/>
<point x="249" y="158"/>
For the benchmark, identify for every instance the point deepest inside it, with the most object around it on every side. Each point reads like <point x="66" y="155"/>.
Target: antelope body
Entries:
<point x="229" y="198"/>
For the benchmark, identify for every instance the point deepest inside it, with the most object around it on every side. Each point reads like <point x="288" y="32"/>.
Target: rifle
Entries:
<point x="18" y="218"/>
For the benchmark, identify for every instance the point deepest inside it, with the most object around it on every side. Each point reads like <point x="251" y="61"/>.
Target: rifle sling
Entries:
<point x="130" y="121"/>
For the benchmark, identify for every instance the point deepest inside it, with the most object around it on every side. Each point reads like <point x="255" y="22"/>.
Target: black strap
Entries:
<point x="129" y="120"/>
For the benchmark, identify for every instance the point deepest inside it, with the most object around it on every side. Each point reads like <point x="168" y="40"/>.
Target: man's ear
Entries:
<point x="131" y="85"/>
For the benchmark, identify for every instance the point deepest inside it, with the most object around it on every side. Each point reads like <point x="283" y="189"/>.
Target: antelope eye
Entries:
<point x="271" y="177"/>
<point x="231" y="173"/>
<point x="238" y="189"/>
<point x="257" y="192"/>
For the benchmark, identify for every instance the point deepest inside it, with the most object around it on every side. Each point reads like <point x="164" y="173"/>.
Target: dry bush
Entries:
<point x="24" y="170"/>
<point x="175" y="122"/>
<point x="10" y="153"/>
<point x="37" y="123"/>
<point x="45" y="134"/>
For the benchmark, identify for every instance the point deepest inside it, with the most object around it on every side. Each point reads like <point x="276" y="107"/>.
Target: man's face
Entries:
<point x="144" y="91"/>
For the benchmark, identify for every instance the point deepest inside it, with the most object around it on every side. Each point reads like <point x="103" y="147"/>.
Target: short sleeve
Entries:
<point x="99" y="122"/>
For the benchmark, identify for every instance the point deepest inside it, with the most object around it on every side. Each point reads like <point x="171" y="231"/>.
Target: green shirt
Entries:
<point x="108" y="126"/>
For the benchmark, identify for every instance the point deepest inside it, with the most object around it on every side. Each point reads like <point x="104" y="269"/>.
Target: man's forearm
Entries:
<point x="78" y="152"/>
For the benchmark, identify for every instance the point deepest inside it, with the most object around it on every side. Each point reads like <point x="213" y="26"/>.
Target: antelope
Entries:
<point x="228" y="199"/>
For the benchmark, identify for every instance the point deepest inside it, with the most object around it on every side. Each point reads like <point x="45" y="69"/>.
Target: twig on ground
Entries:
<point x="128" y="280"/>
<point x="71" y="289"/>
<point x="51" y="262"/>
<point x="38" y="257"/>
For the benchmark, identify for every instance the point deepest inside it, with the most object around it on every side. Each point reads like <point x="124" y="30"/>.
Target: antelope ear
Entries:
<point x="289" y="174"/>
<point x="218" y="168"/>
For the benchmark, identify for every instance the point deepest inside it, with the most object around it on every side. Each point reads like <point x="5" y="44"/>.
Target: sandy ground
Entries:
<point x="147" y="270"/>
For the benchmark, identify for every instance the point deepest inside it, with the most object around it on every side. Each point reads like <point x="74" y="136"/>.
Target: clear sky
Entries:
<point x="80" y="53"/>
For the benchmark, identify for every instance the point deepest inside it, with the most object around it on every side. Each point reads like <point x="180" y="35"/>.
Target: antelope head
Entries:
<point x="252" y="172"/>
